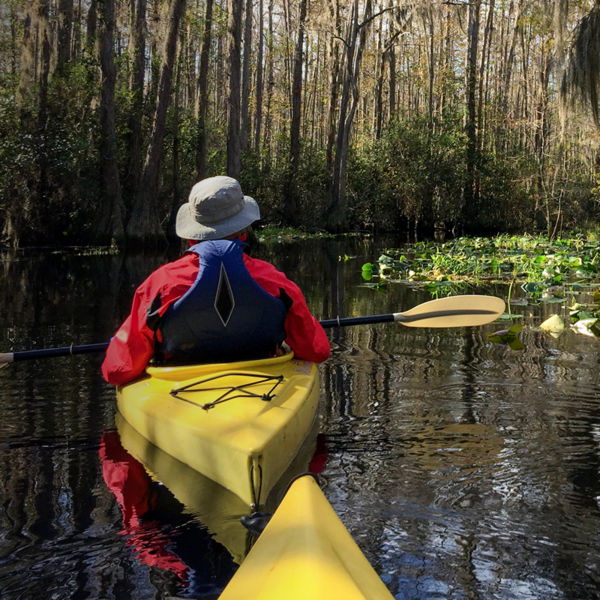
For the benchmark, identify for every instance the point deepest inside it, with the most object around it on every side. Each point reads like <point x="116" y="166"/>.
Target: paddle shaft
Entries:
<point x="51" y="352"/>
<point x="400" y="318"/>
<point x="91" y="348"/>
<point x="492" y="308"/>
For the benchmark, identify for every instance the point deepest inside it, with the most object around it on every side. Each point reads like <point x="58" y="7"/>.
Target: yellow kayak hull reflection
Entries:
<point x="240" y="424"/>
<point x="305" y="552"/>
<point x="218" y="509"/>
<point x="215" y="507"/>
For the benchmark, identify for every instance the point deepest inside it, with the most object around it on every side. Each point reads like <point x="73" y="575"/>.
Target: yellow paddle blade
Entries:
<point x="456" y="311"/>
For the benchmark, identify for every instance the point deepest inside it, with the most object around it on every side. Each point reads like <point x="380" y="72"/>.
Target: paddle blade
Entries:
<point x="6" y="358"/>
<point x="456" y="311"/>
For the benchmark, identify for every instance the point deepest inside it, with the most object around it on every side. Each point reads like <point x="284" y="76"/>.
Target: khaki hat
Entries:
<point x="215" y="209"/>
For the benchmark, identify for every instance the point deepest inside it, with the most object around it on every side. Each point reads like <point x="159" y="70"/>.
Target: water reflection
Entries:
<point x="166" y="522"/>
<point x="486" y="477"/>
<point x="462" y="468"/>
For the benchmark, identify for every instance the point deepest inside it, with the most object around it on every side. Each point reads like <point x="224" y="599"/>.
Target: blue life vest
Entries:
<point x="225" y="315"/>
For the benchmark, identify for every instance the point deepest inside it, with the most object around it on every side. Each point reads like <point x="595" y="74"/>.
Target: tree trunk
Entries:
<point x="246" y="79"/>
<point x="27" y="64"/>
<point x="334" y="56"/>
<point x="64" y="32"/>
<point x="220" y="98"/>
<point x="541" y="121"/>
<point x="145" y="222"/>
<point x="91" y="26"/>
<point x="448" y="58"/>
<point x="380" y="70"/>
<point x="471" y="201"/>
<point x="485" y="61"/>
<point x="392" y="68"/>
<point x="176" y="142"/>
<point x="355" y="43"/>
<point x="136" y="85"/>
<point x="316" y="116"/>
<point x="270" y="81"/>
<point x="13" y="39"/>
<point x="259" y="79"/>
<point x="430" y="25"/>
<point x="156" y="57"/>
<point x="291" y="196"/>
<point x="76" y="34"/>
<point x="110" y="221"/>
<point x="203" y="92"/>
<point x="507" y="65"/>
<point x="43" y="81"/>
<point x="234" y="33"/>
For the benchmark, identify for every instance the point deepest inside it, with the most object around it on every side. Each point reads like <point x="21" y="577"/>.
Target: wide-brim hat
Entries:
<point x="216" y="208"/>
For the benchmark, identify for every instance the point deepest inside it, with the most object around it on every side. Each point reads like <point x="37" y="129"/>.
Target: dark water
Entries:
<point x="462" y="468"/>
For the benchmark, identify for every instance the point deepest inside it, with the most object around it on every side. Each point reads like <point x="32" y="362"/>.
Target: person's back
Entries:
<point x="215" y="303"/>
<point x="225" y="315"/>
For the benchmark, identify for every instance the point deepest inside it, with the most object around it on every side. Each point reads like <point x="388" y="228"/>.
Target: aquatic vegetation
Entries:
<point x="528" y="259"/>
<point x="532" y="268"/>
<point x="554" y="325"/>
<point x="533" y="262"/>
<point x="509" y="336"/>
<point x="271" y="234"/>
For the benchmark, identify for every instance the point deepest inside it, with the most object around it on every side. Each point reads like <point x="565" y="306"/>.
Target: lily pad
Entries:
<point x="532" y="287"/>
<point x="384" y="259"/>
<point x="367" y="271"/>
<point x="587" y="327"/>
<point x="379" y="286"/>
<point x="552" y="299"/>
<point x="509" y="336"/>
<point x="553" y="325"/>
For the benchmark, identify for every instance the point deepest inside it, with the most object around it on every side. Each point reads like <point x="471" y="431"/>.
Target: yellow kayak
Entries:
<point x="305" y="553"/>
<point x="240" y="424"/>
<point x="218" y="509"/>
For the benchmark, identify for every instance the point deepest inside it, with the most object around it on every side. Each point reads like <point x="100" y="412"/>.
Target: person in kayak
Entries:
<point x="215" y="303"/>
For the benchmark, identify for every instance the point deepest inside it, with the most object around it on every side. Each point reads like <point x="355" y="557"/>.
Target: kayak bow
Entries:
<point x="305" y="552"/>
<point x="240" y="424"/>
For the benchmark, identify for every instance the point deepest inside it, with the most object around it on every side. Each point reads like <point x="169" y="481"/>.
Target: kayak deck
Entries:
<point x="305" y="552"/>
<point x="240" y="424"/>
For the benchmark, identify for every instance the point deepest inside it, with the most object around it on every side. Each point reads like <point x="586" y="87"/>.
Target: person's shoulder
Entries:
<point x="182" y="270"/>
<point x="268" y="275"/>
<point x="262" y="267"/>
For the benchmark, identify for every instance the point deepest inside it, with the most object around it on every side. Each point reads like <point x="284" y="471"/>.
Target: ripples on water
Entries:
<point x="463" y="469"/>
<point x="467" y="469"/>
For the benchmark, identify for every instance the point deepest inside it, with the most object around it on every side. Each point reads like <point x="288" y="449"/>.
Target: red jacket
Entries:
<point x="133" y="345"/>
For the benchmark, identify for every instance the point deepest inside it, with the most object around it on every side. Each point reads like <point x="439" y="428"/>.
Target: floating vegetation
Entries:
<point x="509" y="336"/>
<point x="288" y="234"/>
<point x="533" y="261"/>
<point x="13" y="255"/>
<point x="534" y="269"/>
<point x="553" y="325"/>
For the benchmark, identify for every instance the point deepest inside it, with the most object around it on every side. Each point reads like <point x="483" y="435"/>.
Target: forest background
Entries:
<point x="335" y="115"/>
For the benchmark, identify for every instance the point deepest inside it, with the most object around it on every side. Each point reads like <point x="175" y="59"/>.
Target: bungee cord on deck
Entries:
<point x="231" y="392"/>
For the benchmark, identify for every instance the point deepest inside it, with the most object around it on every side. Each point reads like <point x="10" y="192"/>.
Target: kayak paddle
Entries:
<point x="9" y="357"/>
<point x="455" y="311"/>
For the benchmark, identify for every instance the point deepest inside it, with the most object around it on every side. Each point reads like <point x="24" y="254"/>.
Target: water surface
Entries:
<point x="462" y="468"/>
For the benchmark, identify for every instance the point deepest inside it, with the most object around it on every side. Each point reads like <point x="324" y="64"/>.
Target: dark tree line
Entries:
<point x="382" y="114"/>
